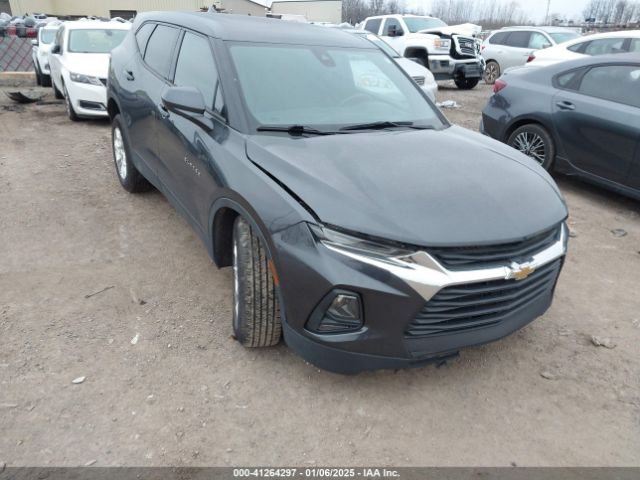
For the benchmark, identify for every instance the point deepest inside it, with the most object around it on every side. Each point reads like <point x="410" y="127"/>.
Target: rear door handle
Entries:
<point x="129" y="75"/>
<point x="564" y="105"/>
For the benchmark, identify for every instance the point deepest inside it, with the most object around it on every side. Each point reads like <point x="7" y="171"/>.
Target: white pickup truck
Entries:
<point x="450" y="52"/>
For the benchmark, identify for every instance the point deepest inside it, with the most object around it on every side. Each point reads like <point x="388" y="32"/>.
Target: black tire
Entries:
<point x="130" y="178"/>
<point x="45" y="79"/>
<point x="466" y="83"/>
<point x="38" y="76"/>
<point x="256" y="309"/>
<point x="56" y="93"/>
<point x="71" y="113"/>
<point x="491" y="72"/>
<point x="536" y="142"/>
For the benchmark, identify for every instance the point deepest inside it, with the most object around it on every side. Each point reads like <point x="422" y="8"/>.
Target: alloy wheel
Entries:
<point x="531" y="144"/>
<point x="120" y="153"/>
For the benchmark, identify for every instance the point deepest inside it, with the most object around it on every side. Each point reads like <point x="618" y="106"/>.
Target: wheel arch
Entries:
<point x="112" y="108"/>
<point x="417" y="52"/>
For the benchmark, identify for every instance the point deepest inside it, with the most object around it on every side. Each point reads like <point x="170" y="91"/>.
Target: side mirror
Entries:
<point x="34" y="42"/>
<point x="183" y="99"/>
<point x="392" y="31"/>
<point x="546" y="45"/>
<point x="55" y="50"/>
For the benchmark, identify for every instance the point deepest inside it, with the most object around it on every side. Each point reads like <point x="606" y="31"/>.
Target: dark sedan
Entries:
<point x="360" y="224"/>
<point x="580" y="117"/>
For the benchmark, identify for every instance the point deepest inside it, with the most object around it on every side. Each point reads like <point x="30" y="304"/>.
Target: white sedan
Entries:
<point x="79" y="62"/>
<point x="598" y="44"/>
<point x="40" y="52"/>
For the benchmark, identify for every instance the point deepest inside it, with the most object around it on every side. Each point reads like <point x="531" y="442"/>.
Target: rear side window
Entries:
<point x="142" y="36"/>
<point x="499" y="38"/>
<point x="578" y="47"/>
<point x="158" y="52"/>
<point x="519" y="39"/>
<point x="605" y="46"/>
<point x="617" y="83"/>
<point x="568" y="80"/>
<point x="373" y="25"/>
<point x="196" y="68"/>
<point x="635" y="45"/>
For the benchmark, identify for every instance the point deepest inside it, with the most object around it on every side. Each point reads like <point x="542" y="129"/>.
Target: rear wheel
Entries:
<point x="534" y="141"/>
<point x="466" y="83"/>
<point x="256" y="309"/>
<point x="491" y="72"/>
<point x="130" y="178"/>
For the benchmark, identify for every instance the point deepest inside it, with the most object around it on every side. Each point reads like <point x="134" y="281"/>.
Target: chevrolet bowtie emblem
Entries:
<point x="520" y="272"/>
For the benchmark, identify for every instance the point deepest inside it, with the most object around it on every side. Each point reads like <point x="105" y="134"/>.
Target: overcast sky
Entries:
<point x="566" y="8"/>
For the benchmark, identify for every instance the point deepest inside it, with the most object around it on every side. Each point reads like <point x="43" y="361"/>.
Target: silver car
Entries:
<point x="511" y="46"/>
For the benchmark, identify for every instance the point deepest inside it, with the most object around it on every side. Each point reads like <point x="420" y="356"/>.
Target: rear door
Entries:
<point x="146" y="77"/>
<point x="189" y="153"/>
<point x="516" y="49"/>
<point x="598" y="119"/>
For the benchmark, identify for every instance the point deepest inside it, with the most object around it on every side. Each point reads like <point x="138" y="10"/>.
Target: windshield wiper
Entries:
<point x="385" y="124"/>
<point x="294" y="130"/>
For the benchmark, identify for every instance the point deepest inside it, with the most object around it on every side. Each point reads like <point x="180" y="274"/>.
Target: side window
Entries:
<point x="373" y="25"/>
<point x="616" y="83"/>
<point x="393" y="24"/>
<point x="566" y="80"/>
<point x="578" y="47"/>
<point x="142" y="36"/>
<point x="158" y="52"/>
<point x="537" y="41"/>
<point x="604" y="46"/>
<point x="635" y="45"/>
<point x="196" y="68"/>
<point x="518" y="39"/>
<point x="499" y="38"/>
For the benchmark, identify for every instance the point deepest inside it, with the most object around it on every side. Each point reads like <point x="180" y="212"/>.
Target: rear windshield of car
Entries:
<point x="47" y="36"/>
<point x="564" y="36"/>
<point x="95" y="41"/>
<point x="326" y="87"/>
<point x="415" y="24"/>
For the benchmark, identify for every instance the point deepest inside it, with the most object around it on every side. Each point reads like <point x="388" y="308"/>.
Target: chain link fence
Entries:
<point x="15" y="54"/>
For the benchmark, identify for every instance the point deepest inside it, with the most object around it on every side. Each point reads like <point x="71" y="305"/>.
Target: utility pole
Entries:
<point x="546" y="15"/>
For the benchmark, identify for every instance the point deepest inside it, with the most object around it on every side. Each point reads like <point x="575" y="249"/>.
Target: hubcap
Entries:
<point x="236" y="286"/>
<point x="67" y="102"/>
<point x="119" y="153"/>
<point x="531" y="144"/>
<point x="492" y="72"/>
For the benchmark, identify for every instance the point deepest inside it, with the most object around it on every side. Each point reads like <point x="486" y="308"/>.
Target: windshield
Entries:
<point x="47" y="36"/>
<point x="415" y="24"/>
<point x="326" y="87"/>
<point x="564" y="36"/>
<point x="382" y="45"/>
<point x="95" y="41"/>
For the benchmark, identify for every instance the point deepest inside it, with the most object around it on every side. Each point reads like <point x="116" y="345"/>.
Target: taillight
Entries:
<point x="531" y="58"/>
<point x="499" y="85"/>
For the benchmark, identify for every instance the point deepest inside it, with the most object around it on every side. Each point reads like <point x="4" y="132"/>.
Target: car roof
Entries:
<point x="596" y="36"/>
<point x="609" y="59"/>
<point x="95" y="25"/>
<point x="547" y="29"/>
<point x="246" y="28"/>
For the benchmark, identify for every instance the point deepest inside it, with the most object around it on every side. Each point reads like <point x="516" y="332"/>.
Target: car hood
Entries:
<point x="421" y="187"/>
<point x="94" y="64"/>
<point x="468" y="29"/>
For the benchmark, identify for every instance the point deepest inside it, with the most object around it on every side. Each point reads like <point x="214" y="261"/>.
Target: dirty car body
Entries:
<point x="445" y="238"/>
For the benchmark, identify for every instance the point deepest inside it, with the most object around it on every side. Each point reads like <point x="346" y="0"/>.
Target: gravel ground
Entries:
<point x="115" y="288"/>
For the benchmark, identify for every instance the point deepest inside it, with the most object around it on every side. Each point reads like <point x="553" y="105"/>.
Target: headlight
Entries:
<point x="442" y="43"/>
<point x="81" y="78"/>
<point x="361" y="246"/>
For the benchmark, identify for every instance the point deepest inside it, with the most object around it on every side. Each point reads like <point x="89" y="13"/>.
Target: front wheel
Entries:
<point x="534" y="141"/>
<point x="68" y="106"/>
<point x="466" y="83"/>
<point x="256" y="309"/>
<point x="56" y="93"/>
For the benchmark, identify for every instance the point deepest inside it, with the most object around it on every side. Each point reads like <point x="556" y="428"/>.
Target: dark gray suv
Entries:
<point x="359" y="223"/>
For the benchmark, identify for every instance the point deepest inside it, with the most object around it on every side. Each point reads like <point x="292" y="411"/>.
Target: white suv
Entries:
<point x="79" y="62"/>
<point x="40" y="52"/>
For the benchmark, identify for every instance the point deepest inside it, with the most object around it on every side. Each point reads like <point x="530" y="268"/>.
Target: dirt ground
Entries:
<point x="165" y="384"/>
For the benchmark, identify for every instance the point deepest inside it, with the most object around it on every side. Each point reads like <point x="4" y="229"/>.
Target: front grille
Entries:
<point x="457" y="258"/>
<point x="465" y="45"/>
<point x="461" y="308"/>
<point x="418" y="80"/>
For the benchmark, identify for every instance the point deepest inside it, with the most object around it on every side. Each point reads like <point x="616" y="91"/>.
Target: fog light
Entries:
<point x="340" y="311"/>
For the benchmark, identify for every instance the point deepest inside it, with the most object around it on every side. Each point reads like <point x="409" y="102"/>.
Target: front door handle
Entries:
<point x="564" y="105"/>
<point x="128" y="74"/>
